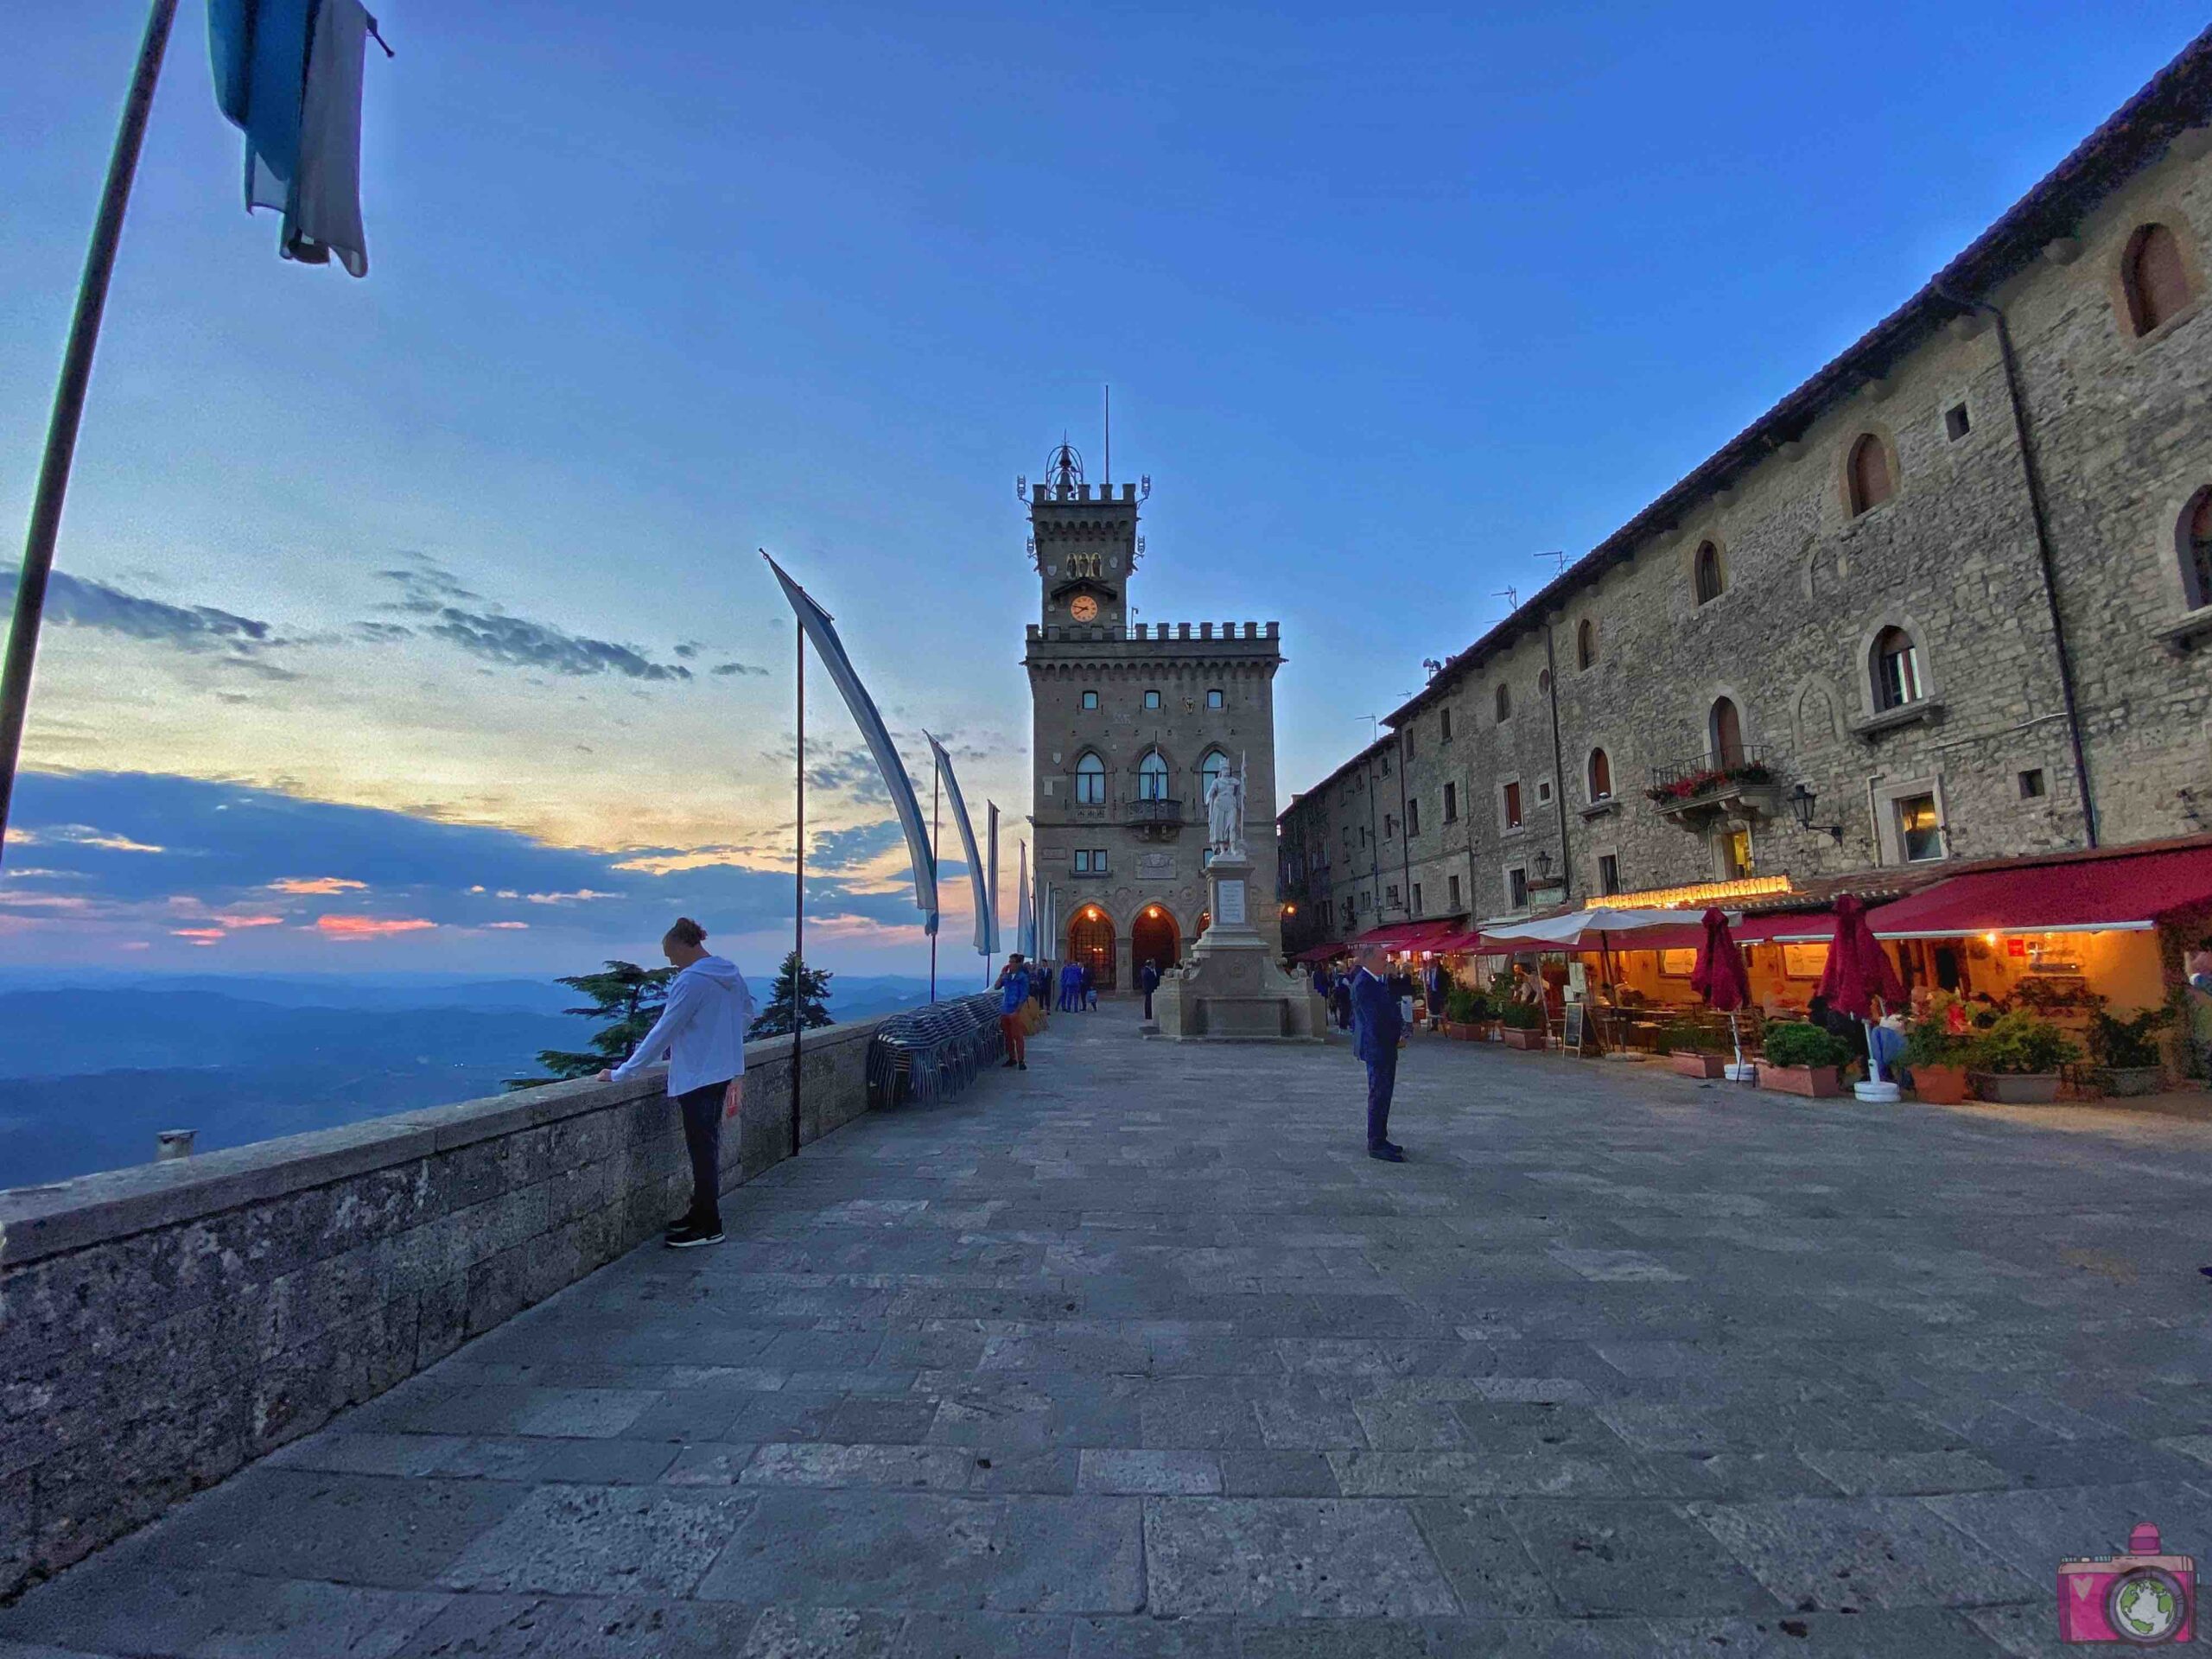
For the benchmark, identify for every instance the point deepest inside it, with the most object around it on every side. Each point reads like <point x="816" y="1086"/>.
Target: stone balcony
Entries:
<point x="1698" y="791"/>
<point x="1154" y="820"/>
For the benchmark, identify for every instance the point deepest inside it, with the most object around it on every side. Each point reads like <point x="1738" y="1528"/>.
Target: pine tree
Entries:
<point x="625" y="995"/>
<point x="775" y="1019"/>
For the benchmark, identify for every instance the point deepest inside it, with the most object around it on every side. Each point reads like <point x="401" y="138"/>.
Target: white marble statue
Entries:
<point x="1226" y="812"/>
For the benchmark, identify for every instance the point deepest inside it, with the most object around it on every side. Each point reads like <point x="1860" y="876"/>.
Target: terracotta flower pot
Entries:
<point x="1816" y="1082"/>
<point x="1515" y="1038"/>
<point x="2017" y="1089"/>
<point x="1695" y="1065"/>
<point x="1939" y="1085"/>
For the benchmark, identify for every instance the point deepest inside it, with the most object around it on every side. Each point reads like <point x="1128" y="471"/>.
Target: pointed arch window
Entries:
<point x="1867" y="474"/>
<point x="1707" y="578"/>
<point x="1152" y="778"/>
<point x="2154" y="278"/>
<point x="1586" y="644"/>
<point x="1601" y="776"/>
<point x="2196" y="549"/>
<point x="1209" y="768"/>
<point x="1897" y="669"/>
<point x="1727" y="732"/>
<point x="1089" y="781"/>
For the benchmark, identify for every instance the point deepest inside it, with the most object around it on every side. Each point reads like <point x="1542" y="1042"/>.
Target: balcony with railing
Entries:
<point x="1154" y="817"/>
<point x="1699" y="791"/>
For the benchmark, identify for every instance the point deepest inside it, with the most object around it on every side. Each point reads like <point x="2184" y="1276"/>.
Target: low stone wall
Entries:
<point x="160" y="1327"/>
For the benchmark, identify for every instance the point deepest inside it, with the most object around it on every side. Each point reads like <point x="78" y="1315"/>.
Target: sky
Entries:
<point x="416" y="623"/>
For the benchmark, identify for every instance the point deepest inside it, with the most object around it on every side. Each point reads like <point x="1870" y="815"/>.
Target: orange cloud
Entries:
<point x="200" y="936"/>
<point x="317" y="884"/>
<point x="369" y="927"/>
<point x="228" y="922"/>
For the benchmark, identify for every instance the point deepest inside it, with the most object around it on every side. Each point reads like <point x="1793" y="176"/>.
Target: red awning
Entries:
<point x="2125" y="891"/>
<point x="1319" y="952"/>
<point x="1795" y="927"/>
<point x="1407" y="936"/>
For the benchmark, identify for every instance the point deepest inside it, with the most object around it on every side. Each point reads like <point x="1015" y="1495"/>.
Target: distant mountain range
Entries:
<point x="90" y="1070"/>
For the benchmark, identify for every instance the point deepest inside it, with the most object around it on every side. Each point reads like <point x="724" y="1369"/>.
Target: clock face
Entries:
<point x="1084" y="609"/>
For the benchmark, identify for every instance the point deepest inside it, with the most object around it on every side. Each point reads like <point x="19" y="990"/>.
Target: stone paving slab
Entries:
<point x="1136" y="1356"/>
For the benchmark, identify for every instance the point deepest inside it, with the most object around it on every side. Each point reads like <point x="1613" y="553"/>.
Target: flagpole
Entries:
<point x="937" y="783"/>
<point x="69" y="401"/>
<point x="798" y="879"/>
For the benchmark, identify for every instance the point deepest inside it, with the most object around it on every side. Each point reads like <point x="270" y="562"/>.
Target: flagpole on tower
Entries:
<point x="69" y="401"/>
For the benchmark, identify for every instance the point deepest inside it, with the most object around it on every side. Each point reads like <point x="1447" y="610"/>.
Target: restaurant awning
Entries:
<point x="2122" y="893"/>
<point x="1320" y="952"/>
<point x="1590" y="930"/>
<point x="1787" y="927"/>
<point x="1410" y="935"/>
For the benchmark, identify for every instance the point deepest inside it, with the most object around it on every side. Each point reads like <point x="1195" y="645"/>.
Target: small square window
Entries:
<point x="1957" y="422"/>
<point x="2031" y="784"/>
<point x="1090" y="699"/>
<point x="1214" y="699"/>
<point x="1152" y="699"/>
<point x="1544" y="793"/>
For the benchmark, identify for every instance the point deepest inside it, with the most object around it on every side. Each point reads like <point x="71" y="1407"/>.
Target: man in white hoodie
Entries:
<point x="702" y="1031"/>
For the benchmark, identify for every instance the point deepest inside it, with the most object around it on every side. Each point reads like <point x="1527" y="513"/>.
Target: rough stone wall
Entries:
<point x="2123" y="430"/>
<point x="163" y="1325"/>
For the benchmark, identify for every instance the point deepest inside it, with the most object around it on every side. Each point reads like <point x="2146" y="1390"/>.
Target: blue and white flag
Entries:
<point x="815" y="621"/>
<point x="986" y="939"/>
<point x="1025" y="923"/>
<point x="991" y="947"/>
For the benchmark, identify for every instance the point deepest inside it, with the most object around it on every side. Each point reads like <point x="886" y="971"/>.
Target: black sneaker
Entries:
<point x="1388" y="1154"/>
<point x="689" y="1238"/>
<point x="1024" y="1066"/>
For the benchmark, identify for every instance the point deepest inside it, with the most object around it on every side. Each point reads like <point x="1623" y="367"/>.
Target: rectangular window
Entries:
<point x="1090" y="699"/>
<point x="1391" y="898"/>
<point x="1214" y="699"/>
<point x="1412" y="817"/>
<point x="1455" y="890"/>
<point x="1513" y="806"/>
<point x="1386" y="765"/>
<point x="1444" y="720"/>
<point x="1609" y="874"/>
<point x="1956" y="423"/>
<point x="1544" y="793"/>
<point x="1919" y="836"/>
<point x="1450" y="803"/>
<point x="2032" y="783"/>
<point x="1152" y="699"/>
<point x="1083" y="860"/>
<point x="1363" y="835"/>
<point x="1390" y="826"/>
<point x="1516" y="889"/>
<point x="1417" y="904"/>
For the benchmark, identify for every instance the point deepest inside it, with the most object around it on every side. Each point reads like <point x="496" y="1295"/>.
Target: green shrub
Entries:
<point x="1520" y="1016"/>
<point x="1793" y="1042"/>
<point x="1932" y="1042"/>
<point x="2125" y="1043"/>
<point x="2021" y="1044"/>
<point x="1466" y="1007"/>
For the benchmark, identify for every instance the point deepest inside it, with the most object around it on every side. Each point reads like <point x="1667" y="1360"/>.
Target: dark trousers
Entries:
<point x="1148" y="1005"/>
<point x="702" y="1139"/>
<point x="1011" y="1036"/>
<point x="1381" y="1078"/>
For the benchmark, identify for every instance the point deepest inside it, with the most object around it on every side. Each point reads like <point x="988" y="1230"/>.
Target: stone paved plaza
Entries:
<point x="1138" y="1354"/>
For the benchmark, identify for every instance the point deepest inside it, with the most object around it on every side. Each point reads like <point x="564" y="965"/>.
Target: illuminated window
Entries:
<point x="1920" y="833"/>
<point x="1214" y="699"/>
<point x="1090" y="699"/>
<point x="1152" y="699"/>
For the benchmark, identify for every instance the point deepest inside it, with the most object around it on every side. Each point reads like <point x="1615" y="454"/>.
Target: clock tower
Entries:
<point x="1085" y="544"/>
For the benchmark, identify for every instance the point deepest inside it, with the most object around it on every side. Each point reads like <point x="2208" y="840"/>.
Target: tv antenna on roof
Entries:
<point x="1511" y="595"/>
<point x="1560" y="557"/>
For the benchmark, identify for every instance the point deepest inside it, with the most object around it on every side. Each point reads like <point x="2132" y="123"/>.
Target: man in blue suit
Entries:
<point x="1377" y="1028"/>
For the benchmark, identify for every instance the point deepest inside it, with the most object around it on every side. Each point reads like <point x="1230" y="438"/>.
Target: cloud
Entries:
<point x="74" y="601"/>
<point x="847" y="849"/>
<point x="83" y="835"/>
<point x="581" y="896"/>
<point x="384" y="634"/>
<point x="738" y="668"/>
<point x="687" y="649"/>
<point x="369" y="927"/>
<point x="429" y="592"/>
<point x="317" y="884"/>
<point x="848" y="767"/>
<point x="509" y="926"/>
<point x="200" y="936"/>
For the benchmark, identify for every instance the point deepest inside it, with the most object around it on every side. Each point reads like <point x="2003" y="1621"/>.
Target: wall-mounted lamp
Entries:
<point x="1802" y="800"/>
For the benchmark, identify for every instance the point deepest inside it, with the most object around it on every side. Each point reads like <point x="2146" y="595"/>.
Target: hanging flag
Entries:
<point x="991" y="946"/>
<point x="816" y="623"/>
<point x="287" y="75"/>
<point x="1025" y="922"/>
<point x="985" y="943"/>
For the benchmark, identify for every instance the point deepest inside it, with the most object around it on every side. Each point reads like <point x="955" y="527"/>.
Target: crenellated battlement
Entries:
<point x="1156" y="633"/>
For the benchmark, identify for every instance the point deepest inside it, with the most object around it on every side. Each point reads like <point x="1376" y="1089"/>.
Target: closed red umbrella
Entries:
<point x="1719" y="977"/>
<point x="1858" y="969"/>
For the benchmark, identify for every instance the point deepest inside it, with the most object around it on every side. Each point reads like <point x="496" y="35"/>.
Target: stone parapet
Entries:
<point x="164" y="1324"/>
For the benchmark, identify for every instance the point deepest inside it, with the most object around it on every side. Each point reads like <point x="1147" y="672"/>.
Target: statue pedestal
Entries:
<point x="1230" y="990"/>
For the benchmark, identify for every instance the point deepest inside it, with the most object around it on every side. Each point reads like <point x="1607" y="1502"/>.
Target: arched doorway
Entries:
<point x="1091" y="942"/>
<point x="1153" y="938"/>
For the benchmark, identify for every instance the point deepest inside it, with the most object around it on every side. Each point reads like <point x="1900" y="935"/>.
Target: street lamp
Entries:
<point x="1801" y="800"/>
<point x="1543" y="868"/>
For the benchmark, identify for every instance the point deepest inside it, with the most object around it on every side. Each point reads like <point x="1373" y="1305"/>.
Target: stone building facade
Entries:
<point x="1130" y="722"/>
<point x="1950" y="588"/>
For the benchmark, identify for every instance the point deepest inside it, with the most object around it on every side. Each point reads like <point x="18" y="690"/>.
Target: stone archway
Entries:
<point x="1153" y="937"/>
<point x="1091" y="941"/>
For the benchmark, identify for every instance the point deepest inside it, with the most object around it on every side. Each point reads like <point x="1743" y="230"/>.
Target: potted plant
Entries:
<point x="1936" y="1057"/>
<point x="1523" y="1024"/>
<point x="2015" y="1062"/>
<point x="1802" y="1059"/>
<point x="2126" y="1052"/>
<point x="1692" y="1050"/>
<point x="1465" y="1012"/>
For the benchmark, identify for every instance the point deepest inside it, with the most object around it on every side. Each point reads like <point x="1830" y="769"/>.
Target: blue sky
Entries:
<point x="1391" y="302"/>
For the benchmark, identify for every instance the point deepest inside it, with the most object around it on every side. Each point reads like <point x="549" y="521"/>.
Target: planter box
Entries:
<point x="1518" y="1038"/>
<point x="1696" y="1065"/>
<point x="1939" y="1085"/>
<point x="2030" y="1088"/>
<point x="2131" y="1080"/>
<point x="1461" y="1034"/>
<point x="1814" y="1082"/>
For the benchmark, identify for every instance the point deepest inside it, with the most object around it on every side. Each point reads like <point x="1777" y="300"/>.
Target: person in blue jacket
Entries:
<point x="1377" y="1029"/>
